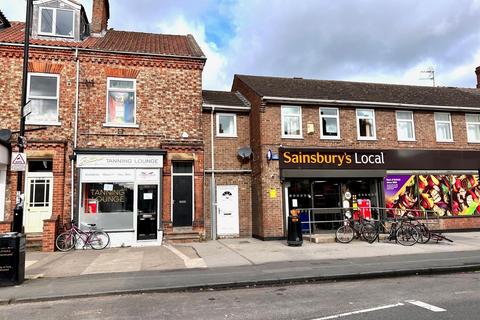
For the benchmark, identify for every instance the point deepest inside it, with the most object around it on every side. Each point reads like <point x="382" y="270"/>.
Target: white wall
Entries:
<point x="3" y="177"/>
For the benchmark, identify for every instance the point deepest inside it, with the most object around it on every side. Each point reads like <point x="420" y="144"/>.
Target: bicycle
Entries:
<point x="95" y="238"/>
<point x="402" y="232"/>
<point x="349" y="230"/>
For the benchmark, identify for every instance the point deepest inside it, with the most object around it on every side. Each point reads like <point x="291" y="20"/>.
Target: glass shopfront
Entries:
<point x="124" y="199"/>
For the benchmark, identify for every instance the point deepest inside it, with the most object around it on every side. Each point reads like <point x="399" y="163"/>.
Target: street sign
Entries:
<point x="27" y="109"/>
<point x="19" y="161"/>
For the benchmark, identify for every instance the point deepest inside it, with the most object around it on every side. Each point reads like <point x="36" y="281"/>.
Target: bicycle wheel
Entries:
<point x="369" y="233"/>
<point x="98" y="240"/>
<point x="407" y="235"/>
<point x="65" y="241"/>
<point x="423" y="233"/>
<point x="344" y="234"/>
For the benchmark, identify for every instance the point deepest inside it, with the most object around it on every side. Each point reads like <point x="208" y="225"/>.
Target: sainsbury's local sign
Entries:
<point x="303" y="158"/>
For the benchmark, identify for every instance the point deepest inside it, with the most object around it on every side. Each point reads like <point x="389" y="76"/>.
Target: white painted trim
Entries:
<point x="367" y="103"/>
<point x="57" y="97"/>
<point x="215" y="106"/>
<point x="217" y="125"/>
<point x="449" y="122"/>
<point x="70" y="3"/>
<point x="412" y="121"/>
<point x="337" y="137"/>
<point x="474" y="123"/>
<point x="54" y="23"/>
<point x="374" y="137"/>
<point x="299" y="115"/>
<point x="134" y="90"/>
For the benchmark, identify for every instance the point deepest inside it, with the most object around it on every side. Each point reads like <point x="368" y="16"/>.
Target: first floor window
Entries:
<point x="43" y="97"/>
<point x="473" y="127"/>
<point x="329" y="123"/>
<point x="405" y="126"/>
<point x="291" y="122"/>
<point x="226" y="125"/>
<point x="109" y="205"/>
<point x="443" y="126"/>
<point x="121" y="101"/>
<point x="366" y="124"/>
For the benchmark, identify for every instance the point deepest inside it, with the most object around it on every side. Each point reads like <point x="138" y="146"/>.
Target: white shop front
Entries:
<point x="121" y="193"/>
<point x="4" y="160"/>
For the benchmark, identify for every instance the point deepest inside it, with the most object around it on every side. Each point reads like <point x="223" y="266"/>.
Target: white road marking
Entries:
<point x="336" y="316"/>
<point x="426" y="306"/>
<point x="189" y="262"/>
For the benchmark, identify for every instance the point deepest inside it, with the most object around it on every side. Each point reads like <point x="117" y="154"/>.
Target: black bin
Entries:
<point x="12" y="258"/>
<point x="294" y="237"/>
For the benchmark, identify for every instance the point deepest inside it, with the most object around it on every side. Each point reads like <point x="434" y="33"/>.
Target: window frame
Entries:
<point x="337" y="117"/>
<point x="57" y="97"/>
<point x="469" y="139"/>
<point x="374" y="137"/>
<point x="134" y="90"/>
<point x="412" y="121"/>
<point x="217" y="124"/>
<point x="291" y="136"/>
<point x="54" y="23"/>
<point x="443" y="121"/>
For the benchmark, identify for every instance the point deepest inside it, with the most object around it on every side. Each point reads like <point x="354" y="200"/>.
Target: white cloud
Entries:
<point x="214" y="75"/>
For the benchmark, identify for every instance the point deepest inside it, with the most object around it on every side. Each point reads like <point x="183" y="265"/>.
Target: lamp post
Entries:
<point x="18" y="211"/>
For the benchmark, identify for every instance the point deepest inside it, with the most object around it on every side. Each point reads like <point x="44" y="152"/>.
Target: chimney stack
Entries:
<point x="477" y="71"/>
<point x="100" y="16"/>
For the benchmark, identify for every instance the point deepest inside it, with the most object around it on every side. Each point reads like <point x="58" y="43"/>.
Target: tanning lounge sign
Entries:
<point x="331" y="159"/>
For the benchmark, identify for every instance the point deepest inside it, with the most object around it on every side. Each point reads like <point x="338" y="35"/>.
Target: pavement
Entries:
<point x="231" y="263"/>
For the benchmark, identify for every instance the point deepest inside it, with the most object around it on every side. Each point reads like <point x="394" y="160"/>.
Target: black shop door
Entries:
<point x="182" y="201"/>
<point x="147" y="212"/>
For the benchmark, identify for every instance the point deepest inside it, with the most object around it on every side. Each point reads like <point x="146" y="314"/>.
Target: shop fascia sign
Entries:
<point x="317" y="158"/>
<point x="119" y="161"/>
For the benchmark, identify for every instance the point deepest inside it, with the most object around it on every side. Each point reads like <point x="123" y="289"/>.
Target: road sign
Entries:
<point x="19" y="161"/>
<point x="27" y="109"/>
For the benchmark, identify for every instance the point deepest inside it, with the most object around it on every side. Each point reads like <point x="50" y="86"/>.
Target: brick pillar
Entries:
<point x="50" y="231"/>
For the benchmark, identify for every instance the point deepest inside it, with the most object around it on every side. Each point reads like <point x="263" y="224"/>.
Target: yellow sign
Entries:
<point x="273" y="193"/>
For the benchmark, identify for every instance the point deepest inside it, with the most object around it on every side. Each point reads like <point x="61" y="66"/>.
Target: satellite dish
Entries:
<point x="5" y="135"/>
<point x="244" y="152"/>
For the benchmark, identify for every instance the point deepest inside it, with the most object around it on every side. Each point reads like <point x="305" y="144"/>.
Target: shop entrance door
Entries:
<point x="147" y="212"/>
<point x="38" y="200"/>
<point x="227" y="211"/>
<point x="326" y="197"/>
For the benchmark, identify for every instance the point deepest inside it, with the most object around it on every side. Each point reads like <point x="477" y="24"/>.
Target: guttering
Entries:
<point x="161" y="55"/>
<point x="213" y="211"/>
<point x="367" y="103"/>
<point x="207" y="106"/>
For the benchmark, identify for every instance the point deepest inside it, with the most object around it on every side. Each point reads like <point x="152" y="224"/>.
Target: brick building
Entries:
<point x="317" y="144"/>
<point x="116" y="117"/>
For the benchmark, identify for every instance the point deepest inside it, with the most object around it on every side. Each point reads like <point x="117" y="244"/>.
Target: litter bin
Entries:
<point x="12" y="258"/>
<point x="294" y="237"/>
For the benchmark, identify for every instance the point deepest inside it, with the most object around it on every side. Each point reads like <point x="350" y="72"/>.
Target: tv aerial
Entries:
<point x="429" y="74"/>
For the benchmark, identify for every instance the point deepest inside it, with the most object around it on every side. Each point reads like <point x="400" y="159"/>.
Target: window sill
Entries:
<point x="119" y="125"/>
<point x="55" y="123"/>
<point x="412" y="140"/>
<point x="226" y="136"/>
<point x="331" y="138"/>
<point x="366" y="139"/>
<point x="445" y="141"/>
<point x="474" y="142"/>
<point x="293" y="137"/>
<point x="55" y="35"/>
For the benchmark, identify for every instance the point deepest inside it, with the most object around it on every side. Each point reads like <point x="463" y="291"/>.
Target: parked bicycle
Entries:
<point x="403" y="232"/>
<point x="75" y="237"/>
<point x="361" y="229"/>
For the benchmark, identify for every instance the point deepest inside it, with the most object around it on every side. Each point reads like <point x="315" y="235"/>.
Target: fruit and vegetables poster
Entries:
<point x="400" y="194"/>
<point x="465" y="195"/>
<point x="434" y="194"/>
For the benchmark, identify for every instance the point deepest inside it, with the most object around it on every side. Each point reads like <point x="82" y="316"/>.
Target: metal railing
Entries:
<point x="377" y="214"/>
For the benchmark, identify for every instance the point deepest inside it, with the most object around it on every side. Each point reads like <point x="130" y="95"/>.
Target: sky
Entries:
<point x="354" y="40"/>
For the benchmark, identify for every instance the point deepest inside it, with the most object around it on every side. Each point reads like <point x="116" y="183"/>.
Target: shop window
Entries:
<point x="366" y="124"/>
<point x="121" y="102"/>
<point x="329" y="123"/>
<point x="473" y="127"/>
<point x="405" y="126"/>
<point x="443" y="127"/>
<point x="226" y="125"/>
<point x="109" y="205"/>
<point x="56" y="22"/>
<point x="43" y="97"/>
<point x="291" y="122"/>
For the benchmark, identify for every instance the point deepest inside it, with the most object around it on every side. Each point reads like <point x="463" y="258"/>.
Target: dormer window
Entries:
<point x="56" y="22"/>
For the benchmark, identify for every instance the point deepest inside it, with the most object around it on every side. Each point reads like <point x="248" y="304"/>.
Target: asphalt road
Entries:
<point x="453" y="296"/>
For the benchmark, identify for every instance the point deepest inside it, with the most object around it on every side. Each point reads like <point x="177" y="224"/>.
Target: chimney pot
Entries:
<point x="477" y="71"/>
<point x="100" y="16"/>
